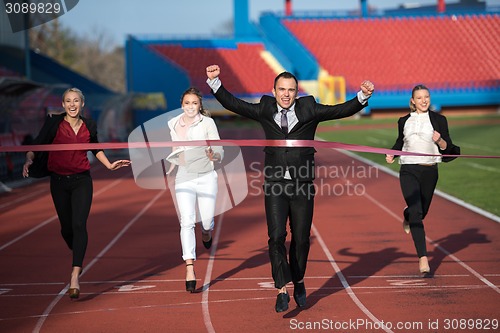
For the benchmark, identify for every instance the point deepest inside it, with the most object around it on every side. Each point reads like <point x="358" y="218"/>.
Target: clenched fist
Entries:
<point x="213" y="71"/>
<point x="367" y="88"/>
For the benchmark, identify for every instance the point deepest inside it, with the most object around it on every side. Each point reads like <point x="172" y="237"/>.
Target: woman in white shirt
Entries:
<point x="195" y="179"/>
<point x="424" y="132"/>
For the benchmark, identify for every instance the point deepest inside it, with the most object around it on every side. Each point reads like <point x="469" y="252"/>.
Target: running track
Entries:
<point x="362" y="266"/>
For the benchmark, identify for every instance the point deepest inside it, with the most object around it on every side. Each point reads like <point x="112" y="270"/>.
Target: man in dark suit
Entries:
<point x="288" y="172"/>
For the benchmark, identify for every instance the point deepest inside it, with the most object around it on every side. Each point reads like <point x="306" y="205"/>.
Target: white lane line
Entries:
<point x="478" y="147"/>
<point x="385" y="132"/>
<point x="464" y="265"/>
<point x="482" y="167"/>
<point x="23" y="198"/>
<point x="436" y="245"/>
<point x="140" y="307"/>
<point x="404" y="276"/>
<point x="229" y="300"/>
<point x="343" y="280"/>
<point x="261" y="279"/>
<point x="208" y="276"/>
<point x="377" y="140"/>
<point x="398" y="218"/>
<point x="30" y="181"/>
<point x="62" y="293"/>
<point x="219" y="301"/>
<point x="51" y="219"/>
<point x="448" y="197"/>
<point x="29" y="232"/>
<point x="423" y="285"/>
<point x="31" y="284"/>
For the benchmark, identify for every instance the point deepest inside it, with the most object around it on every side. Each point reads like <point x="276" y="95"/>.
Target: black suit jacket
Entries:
<point x="298" y="160"/>
<point x="440" y="124"/>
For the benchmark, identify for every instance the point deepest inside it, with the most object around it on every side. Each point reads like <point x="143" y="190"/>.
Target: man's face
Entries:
<point x="285" y="92"/>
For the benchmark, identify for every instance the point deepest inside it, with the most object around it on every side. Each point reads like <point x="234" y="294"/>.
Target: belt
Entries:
<point x="72" y="176"/>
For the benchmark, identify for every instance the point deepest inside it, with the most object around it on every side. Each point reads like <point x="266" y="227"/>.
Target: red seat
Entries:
<point x="244" y="69"/>
<point x="401" y="52"/>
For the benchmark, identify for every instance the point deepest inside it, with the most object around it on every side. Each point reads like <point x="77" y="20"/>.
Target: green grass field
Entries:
<point x="474" y="180"/>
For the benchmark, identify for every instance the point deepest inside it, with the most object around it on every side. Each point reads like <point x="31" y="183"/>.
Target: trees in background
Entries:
<point x="95" y="57"/>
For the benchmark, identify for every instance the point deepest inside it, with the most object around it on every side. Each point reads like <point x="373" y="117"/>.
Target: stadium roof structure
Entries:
<point x="13" y="86"/>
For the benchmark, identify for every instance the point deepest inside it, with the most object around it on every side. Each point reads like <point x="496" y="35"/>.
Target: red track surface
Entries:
<point x="362" y="266"/>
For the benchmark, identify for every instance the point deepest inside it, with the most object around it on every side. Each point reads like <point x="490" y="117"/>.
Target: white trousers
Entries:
<point x="202" y="192"/>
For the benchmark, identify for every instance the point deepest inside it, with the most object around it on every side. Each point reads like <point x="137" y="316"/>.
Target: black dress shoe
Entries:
<point x="208" y="243"/>
<point x="282" y="302"/>
<point x="299" y="294"/>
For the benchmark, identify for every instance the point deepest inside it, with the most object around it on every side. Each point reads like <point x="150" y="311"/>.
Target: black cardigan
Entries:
<point x="46" y="136"/>
<point x="440" y="124"/>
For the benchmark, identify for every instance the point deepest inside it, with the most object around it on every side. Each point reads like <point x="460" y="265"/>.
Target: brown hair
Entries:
<point x="286" y="75"/>
<point x="413" y="108"/>
<point x="195" y="91"/>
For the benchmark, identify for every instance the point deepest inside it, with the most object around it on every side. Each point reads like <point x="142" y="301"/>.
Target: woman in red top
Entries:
<point x="70" y="181"/>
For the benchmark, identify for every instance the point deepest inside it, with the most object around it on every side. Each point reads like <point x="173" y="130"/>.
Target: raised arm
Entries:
<point x="227" y="99"/>
<point x="348" y="108"/>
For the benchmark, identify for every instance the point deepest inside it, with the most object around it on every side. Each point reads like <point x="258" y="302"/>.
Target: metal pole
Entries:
<point x="27" y="56"/>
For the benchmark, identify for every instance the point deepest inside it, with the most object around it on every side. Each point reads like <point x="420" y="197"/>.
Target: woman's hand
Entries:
<point x="118" y="164"/>
<point x="436" y="137"/>
<point x="26" y="167"/>
<point x="215" y="157"/>
<point x="389" y="159"/>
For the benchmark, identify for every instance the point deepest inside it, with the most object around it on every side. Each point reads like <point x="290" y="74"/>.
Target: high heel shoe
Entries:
<point x="190" y="284"/>
<point x="423" y="265"/>
<point x="207" y="244"/>
<point x="74" y="293"/>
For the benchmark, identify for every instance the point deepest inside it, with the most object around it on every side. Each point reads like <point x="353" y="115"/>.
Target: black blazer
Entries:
<point x="298" y="160"/>
<point x="47" y="134"/>
<point x="440" y="124"/>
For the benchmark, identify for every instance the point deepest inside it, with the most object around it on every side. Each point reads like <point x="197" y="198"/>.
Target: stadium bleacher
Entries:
<point x="245" y="71"/>
<point x="450" y="52"/>
<point x="456" y="55"/>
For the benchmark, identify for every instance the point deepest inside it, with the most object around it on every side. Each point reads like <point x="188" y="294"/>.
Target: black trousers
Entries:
<point x="418" y="183"/>
<point x="72" y="196"/>
<point x="294" y="201"/>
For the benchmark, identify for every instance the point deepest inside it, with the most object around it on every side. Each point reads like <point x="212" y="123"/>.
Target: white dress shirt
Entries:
<point x="418" y="133"/>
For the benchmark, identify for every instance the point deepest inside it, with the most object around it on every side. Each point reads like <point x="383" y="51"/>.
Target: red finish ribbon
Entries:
<point x="241" y="143"/>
